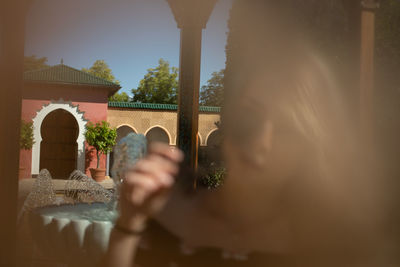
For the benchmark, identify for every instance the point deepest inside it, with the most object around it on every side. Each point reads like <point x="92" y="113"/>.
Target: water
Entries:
<point x="82" y="211"/>
<point x="82" y="189"/>
<point x="42" y="193"/>
<point x="84" y="198"/>
<point x="128" y="151"/>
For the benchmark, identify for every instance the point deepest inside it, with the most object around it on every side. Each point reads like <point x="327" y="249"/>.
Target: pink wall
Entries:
<point x="91" y="101"/>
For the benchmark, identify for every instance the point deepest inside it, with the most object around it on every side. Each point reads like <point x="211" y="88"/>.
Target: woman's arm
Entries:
<point x="121" y="249"/>
<point x="144" y="192"/>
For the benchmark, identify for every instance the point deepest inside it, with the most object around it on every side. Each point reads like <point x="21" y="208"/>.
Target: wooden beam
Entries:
<point x="367" y="66"/>
<point x="352" y="67"/>
<point x="12" y="30"/>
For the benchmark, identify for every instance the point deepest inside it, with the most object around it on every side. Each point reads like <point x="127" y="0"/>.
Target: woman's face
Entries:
<point x="269" y="160"/>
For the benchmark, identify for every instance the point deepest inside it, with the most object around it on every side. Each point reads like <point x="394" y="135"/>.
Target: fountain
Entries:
<point x="74" y="228"/>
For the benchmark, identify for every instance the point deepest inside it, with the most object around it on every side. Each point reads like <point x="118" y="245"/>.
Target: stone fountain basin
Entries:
<point x="76" y="235"/>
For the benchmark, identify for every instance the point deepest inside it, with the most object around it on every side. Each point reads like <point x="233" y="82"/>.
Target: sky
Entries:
<point x="130" y="35"/>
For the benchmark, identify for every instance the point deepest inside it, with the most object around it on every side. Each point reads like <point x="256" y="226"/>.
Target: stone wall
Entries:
<point x="143" y="120"/>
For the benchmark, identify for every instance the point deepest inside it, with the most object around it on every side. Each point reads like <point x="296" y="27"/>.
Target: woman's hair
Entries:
<point x="273" y="73"/>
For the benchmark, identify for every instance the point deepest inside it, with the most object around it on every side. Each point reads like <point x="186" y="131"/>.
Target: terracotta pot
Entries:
<point x="21" y="173"/>
<point x="98" y="175"/>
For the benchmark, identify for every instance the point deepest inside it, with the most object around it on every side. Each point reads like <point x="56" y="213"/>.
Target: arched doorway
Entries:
<point x="213" y="148"/>
<point x="214" y="139"/>
<point x="123" y="131"/>
<point x="157" y="134"/>
<point x="59" y="149"/>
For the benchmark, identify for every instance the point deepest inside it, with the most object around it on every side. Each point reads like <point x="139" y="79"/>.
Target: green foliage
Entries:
<point x="159" y="85"/>
<point x="34" y="63"/>
<point x="215" y="179"/>
<point x="101" y="69"/>
<point x="119" y="97"/>
<point x="101" y="136"/>
<point x="212" y="94"/>
<point x="26" y="140"/>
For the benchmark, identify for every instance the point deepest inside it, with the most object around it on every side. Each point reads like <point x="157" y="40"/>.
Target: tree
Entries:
<point x="34" y="63"/>
<point x="212" y="94"/>
<point x="102" y="137"/>
<point x="101" y="69"/>
<point x="120" y="97"/>
<point x="159" y="85"/>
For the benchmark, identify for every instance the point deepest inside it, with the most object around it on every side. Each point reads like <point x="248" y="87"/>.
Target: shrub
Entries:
<point x="102" y="137"/>
<point x="215" y="179"/>
<point x="26" y="139"/>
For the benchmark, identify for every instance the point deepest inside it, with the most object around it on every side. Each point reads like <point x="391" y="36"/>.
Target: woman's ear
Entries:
<point x="256" y="152"/>
<point x="268" y="135"/>
<point x="229" y="149"/>
<point x="262" y="145"/>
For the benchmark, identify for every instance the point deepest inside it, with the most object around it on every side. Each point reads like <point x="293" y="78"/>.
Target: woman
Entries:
<point x="297" y="193"/>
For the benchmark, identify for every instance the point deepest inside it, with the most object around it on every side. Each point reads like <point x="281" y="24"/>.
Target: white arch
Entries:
<point x="165" y="130"/>
<point x="200" y="139"/>
<point x="127" y="125"/>
<point x="209" y="134"/>
<point x="37" y="124"/>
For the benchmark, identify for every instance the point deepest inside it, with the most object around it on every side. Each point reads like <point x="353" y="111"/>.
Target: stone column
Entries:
<point x="188" y="99"/>
<point x="12" y="31"/>
<point x="191" y="17"/>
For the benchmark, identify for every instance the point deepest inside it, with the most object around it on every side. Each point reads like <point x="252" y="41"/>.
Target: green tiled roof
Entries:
<point x="63" y="74"/>
<point x="157" y="106"/>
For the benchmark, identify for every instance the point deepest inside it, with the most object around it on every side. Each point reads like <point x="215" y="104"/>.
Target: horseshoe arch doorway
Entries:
<point x="59" y="149"/>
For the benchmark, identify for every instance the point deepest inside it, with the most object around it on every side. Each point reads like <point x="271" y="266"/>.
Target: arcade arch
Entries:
<point x="159" y="134"/>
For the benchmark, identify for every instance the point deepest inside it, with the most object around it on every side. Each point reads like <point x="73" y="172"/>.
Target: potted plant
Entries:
<point x="26" y="140"/>
<point x="102" y="137"/>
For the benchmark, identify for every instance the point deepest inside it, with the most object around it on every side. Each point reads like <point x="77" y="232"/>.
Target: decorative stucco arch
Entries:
<point x="37" y="124"/>
<point x="127" y="125"/>
<point x="209" y="134"/>
<point x="200" y="139"/>
<point x="165" y="130"/>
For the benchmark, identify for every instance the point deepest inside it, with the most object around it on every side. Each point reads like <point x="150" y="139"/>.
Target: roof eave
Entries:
<point x="111" y="88"/>
<point x="158" y="107"/>
<point x="114" y="90"/>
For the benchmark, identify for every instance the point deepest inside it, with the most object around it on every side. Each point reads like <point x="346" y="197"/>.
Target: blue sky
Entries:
<point x="130" y="35"/>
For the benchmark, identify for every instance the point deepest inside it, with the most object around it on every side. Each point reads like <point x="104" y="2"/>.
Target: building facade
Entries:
<point x="60" y="100"/>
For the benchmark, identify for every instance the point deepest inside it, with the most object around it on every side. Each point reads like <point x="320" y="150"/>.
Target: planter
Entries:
<point x="21" y="173"/>
<point x="98" y="175"/>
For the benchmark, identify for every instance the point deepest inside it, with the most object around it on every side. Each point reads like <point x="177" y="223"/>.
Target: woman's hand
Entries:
<point x="146" y="185"/>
